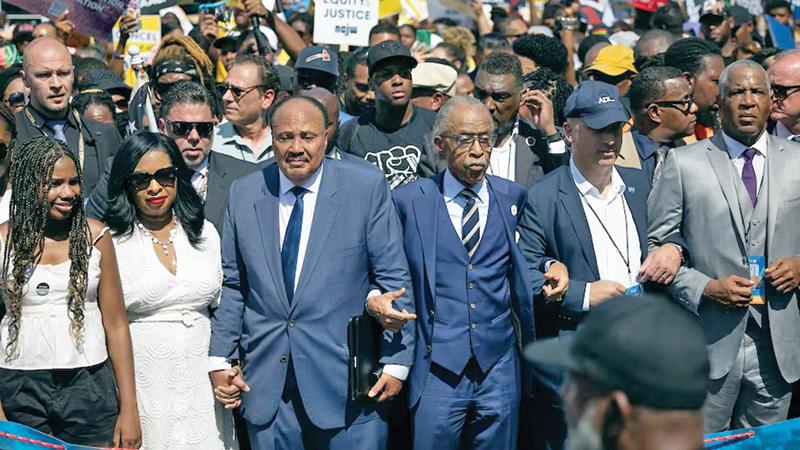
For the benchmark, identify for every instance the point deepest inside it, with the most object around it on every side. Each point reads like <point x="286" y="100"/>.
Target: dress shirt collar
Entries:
<point x="736" y="148"/>
<point x="782" y="132"/>
<point x="202" y="168"/>
<point x="644" y="145"/>
<point x="586" y="188"/>
<point x="453" y="187"/>
<point x="311" y="184"/>
<point x="39" y="120"/>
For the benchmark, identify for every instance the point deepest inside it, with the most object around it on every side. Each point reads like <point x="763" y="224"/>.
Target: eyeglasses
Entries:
<point x="497" y="97"/>
<point x="183" y="129"/>
<point x="237" y="92"/>
<point x="684" y="106"/>
<point x="783" y="92"/>
<point x="486" y="141"/>
<point x="17" y="99"/>
<point x="165" y="177"/>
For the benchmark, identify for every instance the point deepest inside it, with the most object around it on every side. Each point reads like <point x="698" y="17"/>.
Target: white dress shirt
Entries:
<point x="502" y="161"/>
<point x="456" y="203"/>
<point x="736" y="151"/>
<point x="612" y="210"/>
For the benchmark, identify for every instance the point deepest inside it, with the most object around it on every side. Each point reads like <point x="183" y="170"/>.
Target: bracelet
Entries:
<point x="555" y="137"/>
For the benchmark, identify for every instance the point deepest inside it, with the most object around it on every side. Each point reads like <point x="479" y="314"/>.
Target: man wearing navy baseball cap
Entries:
<point x="591" y="216"/>
<point x="316" y="67"/>
<point x="636" y="379"/>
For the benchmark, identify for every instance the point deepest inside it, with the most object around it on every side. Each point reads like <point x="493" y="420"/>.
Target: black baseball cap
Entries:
<point x="389" y="50"/>
<point x="597" y="103"/>
<point x="649" y="347"/>
<point x="318" y="58"/>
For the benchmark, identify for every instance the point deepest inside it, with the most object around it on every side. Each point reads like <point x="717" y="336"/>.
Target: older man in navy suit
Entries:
<point x="473" y="295"/>
<point x="304" y="241"/>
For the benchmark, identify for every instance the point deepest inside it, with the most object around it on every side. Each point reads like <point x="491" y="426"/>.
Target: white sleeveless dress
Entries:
<point x="171" y="332"/>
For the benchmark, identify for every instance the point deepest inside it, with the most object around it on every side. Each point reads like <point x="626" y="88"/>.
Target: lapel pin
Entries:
<point x="513" y="210"/>
<point x="631" y="189"/>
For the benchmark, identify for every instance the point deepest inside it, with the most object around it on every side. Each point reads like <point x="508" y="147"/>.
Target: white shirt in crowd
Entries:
<point x="611" y="211"/>
<point x="455" y="202"/>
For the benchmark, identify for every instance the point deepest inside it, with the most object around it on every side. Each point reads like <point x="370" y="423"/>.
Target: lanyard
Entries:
<point x="627" y="241"/>
<point x="80" y="131"/>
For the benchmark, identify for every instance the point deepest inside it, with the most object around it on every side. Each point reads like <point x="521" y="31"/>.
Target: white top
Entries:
<point x="502" y="161"/>
<point x="456" y="203"/>
<point x="5" y="206"/>
<point x="44" y="340"/>
<point x="612" y="211"/>
<point x="736" y="151"/>
<point x="287" y="200"/>
<point x="153" y="294"/>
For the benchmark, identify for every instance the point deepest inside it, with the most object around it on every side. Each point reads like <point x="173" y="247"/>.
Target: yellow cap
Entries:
<point x="613" y="60"/>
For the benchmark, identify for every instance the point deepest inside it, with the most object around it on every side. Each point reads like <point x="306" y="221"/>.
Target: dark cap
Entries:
<point x="286" y="78"/>
<point x="106" y="80"/>
<point x="597" y="103"/>
<point x="713" y="10"/>
<point x="23" y="32"/>
<point x="389" y="50"/>
<point x="740" y="15"/>
<point x="649" y="347"/>
<point x="318" y="58"/>
<point x="227" y="43"/>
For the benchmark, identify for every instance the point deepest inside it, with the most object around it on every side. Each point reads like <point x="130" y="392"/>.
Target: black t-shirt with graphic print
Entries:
<point x="403" y="155"/>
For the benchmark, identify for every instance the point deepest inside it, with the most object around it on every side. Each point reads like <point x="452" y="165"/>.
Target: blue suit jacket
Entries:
<point x="554" y="226"/>
<point x="355" y="244"/>
<point x="418" y="204"/>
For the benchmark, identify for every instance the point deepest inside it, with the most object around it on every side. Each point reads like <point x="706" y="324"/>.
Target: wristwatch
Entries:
<point x="555" y="137"/>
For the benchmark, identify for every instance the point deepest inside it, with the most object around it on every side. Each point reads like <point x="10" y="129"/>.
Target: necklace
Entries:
<point x="164" y="245"/>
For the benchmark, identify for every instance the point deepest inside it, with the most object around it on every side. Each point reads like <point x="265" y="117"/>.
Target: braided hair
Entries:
<point x="31" y="171"/>
<point x="689" y="54"/>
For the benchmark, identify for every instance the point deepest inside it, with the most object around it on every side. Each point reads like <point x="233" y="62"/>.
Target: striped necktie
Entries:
<point x="470" y="228"/>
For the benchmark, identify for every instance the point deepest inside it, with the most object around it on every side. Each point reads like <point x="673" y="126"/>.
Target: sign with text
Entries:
<point x="344" y="22"/>
<point x="92" y="17"/>
<point x="146" y="38"/>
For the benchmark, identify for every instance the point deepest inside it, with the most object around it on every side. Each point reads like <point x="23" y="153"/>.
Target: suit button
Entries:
<point x="471" y="285"/>
<point x="744" y="261"/>
<point x="472" y="305"/>
<point x="473" y="326"/>
<point x="290" y="323"/>
<point x="428" y="348"/>
<point x="469" y="266"/>
<point x="284" y="359"/>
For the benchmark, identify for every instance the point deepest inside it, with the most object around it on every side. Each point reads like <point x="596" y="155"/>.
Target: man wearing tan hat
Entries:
<point x="613" y="65"/>
<point x="434" y="84"/>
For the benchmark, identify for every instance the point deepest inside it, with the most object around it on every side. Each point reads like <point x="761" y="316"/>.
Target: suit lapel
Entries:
<point x="570" y="200"/>
<point x="267" y="217"/>
<point x="324" y="217"/>
<point x="523" y="160"/>
<point x="500" y="195"/>
<point x="721" y="164"/>
<point x="426" y="212"/>
<point x="773" y="178"/>
<point x="636" y="198"/>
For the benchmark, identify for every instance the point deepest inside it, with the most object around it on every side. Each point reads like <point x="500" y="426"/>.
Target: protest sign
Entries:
<point x="92" y="17"/>
<point x="344" y="22"/>
<point x="387" y="8"/>
<point x="147" y="38"/>
<point x="458" y="10"/>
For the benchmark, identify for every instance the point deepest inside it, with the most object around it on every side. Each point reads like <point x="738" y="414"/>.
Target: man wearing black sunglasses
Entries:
<point x="395" y="135"/>
<point x="248" y="93"/>
<point x="12" y="88"/>
<point x="664" y="113"/>
<point x="784" y="78"/>
<point x="48" y="72"/>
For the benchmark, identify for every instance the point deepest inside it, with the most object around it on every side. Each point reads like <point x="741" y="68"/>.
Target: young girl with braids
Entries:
<point x="66" y="364"/>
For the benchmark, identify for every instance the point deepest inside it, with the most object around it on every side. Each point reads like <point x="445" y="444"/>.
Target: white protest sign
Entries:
<point x="344" y="22"/>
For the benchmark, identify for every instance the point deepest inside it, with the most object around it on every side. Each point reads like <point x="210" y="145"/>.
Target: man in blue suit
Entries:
<point x="473" y="296"/>
<point x="591" y="216"/>
<point x="304" y="241"/>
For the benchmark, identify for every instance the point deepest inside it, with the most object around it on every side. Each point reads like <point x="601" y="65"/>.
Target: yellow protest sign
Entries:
<point x="147" y="38"/>
<point x="388" y="8"/>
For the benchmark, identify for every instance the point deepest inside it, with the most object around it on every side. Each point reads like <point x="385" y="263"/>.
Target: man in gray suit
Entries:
<point x="734" y="198"/>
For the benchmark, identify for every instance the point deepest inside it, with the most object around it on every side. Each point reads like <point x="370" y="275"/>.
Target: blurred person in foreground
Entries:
<point x="636" y="376"/>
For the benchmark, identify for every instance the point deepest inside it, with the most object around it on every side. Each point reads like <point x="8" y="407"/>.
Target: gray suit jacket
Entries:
<point x="696" y="196"/>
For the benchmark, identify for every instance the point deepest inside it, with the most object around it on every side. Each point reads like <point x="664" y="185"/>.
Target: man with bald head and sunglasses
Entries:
<point x="187" y="118"/>
<point x="784" y="79"/>
<point x="248" y="92"/>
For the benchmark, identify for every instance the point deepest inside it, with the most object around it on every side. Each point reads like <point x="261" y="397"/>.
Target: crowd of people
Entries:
<point x="567" y="228"/>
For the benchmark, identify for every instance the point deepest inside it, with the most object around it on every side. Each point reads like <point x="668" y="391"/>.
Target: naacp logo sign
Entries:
<point x="605" y="99"/>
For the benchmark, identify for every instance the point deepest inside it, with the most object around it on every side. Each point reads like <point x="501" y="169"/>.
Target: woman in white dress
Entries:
<point x="171" y="276"/>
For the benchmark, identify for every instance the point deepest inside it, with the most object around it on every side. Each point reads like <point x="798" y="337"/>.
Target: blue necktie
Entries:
<point x="470" y="229"/>
<point x="291" y="242"/>
<point x="58" y="129"/>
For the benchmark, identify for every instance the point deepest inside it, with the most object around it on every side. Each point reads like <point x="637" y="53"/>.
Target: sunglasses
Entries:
<point x="237" y="92"/>
<point x="684" y="106"/>
<point x="497" y="97"/>
<point x="782" y="92"/>
<point x="165" y="177"/>
<point x="183" y="129"/>
<point x="17" y="99"/>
